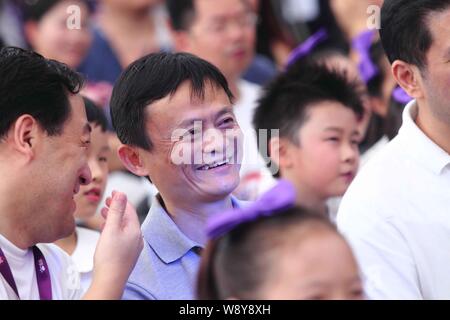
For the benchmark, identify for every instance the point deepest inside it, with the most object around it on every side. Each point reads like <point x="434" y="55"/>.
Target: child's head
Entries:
<point x="59" y="29"/>
<point x="272" y="250"/>
<point x="316" y="111"/>
<point x="90" y="195"/>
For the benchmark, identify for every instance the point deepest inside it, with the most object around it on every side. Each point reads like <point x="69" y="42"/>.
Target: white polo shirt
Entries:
<point x="63" y="273"/>
<point x="396" y="215"/>
<point x="83" y="255"/>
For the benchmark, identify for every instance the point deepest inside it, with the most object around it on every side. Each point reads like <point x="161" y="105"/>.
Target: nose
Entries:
<point x="96" y="171"/>
<point x="85" y="176"/>
<point x="350" y="153"/>
<point x="213" y="141"/>
<point x="236" y="31"/>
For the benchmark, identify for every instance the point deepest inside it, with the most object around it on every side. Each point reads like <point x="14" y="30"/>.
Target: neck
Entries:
<point x="68" y="244"/>
<point x="13" y="214"/>
<point x="435" y="128"/>
<point x="125" y="21"/>
<point x="15" y="233"/>
<point x="309" y="199"/>
<point x="191" y="218"/>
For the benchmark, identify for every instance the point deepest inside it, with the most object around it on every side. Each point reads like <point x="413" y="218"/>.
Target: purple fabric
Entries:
<point x="42" y="274"/>
<point x="280" y="197"/>
<point x="401" y="96"/>
<point x="307" y="46"/>
<point x="362" y="44"/>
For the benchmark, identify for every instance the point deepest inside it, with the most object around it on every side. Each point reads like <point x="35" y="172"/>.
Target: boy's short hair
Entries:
<point x="95" y="114"/>
<point x="286" y="101"/>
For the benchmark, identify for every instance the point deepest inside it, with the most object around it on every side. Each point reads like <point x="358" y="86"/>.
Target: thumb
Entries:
<point x="116" y="210"/>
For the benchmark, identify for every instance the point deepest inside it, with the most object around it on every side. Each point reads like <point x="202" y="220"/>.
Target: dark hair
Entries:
<point x="34" y="10"/>
<point x="31" y="84"/>
<point x="405" y="32"/>
<point x="237" y="264"/>
<point x="95" y="114"/>
<point x="152" y="78"/>
<point x="394" y="118"/>
<point x="285" y="102"/>
<point x="377" y="56"/>
<point x="181" y="13"/>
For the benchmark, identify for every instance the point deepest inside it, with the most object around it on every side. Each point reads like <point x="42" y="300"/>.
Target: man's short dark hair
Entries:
<point x="152" y="78"/>
<point x="405" y="32"/>
<point x="286" y="101"/>
<point x="95" y="114"/>
<point x="31" y="84"/>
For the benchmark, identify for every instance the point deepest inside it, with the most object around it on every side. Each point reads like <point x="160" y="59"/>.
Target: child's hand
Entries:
<point x="118" y="248"/>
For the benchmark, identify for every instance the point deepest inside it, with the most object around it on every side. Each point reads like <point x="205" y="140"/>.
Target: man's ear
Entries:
<point x="279" y="150"/>
<point x="131" y="159"/>
<point x="408" y="77"/>
<point x="24" y="135"/>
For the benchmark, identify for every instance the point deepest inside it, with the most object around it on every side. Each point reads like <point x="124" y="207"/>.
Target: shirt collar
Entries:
<point x="419" y="146"/>
<point x="164" y="236"/>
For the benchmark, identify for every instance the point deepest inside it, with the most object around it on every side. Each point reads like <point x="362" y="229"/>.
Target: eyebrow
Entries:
<point x="191" y="121"/>
<point x="355" y="132"/>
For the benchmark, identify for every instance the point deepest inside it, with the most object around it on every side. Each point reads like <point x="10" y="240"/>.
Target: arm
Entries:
<point x="383" y="254"/>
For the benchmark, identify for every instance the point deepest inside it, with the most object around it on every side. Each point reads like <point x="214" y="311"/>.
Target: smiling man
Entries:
<point x="44" y="138"/>
<point x="173" y="113"/>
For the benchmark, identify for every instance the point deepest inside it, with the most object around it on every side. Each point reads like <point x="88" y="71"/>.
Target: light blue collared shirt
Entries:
<point x="168" y="264"/>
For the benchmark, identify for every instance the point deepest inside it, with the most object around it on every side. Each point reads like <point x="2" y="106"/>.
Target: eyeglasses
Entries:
<point x="243" y="21"/>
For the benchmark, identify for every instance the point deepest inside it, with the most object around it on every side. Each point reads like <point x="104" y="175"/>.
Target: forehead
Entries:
<point x="172" y="110"/>
<point x="77" y="121"/>
<point x="208" y="8"/>
<point x="325" y="112"/>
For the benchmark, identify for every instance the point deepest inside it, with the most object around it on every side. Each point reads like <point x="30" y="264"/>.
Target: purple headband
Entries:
<point x="280" y="197"/>
<point x="307" y="46"/>
<point x="362" y="43"/>
<point x="401" y="96"/>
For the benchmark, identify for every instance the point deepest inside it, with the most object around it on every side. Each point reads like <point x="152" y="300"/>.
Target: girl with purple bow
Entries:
<point x="275" y="250"/>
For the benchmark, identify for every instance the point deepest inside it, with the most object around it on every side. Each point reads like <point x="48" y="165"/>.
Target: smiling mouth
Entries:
<point x="214" y="165"/>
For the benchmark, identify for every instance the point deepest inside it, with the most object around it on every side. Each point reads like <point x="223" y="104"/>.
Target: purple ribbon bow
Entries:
<point x="362" y="43"/>
<point x="279" y="198"/>
<point x="401" y="96"/>
<point x="307" y="46"/>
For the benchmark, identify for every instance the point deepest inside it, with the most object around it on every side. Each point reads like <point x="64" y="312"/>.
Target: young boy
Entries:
<point x="316" y="112"/>
<point x="80" y="245"/>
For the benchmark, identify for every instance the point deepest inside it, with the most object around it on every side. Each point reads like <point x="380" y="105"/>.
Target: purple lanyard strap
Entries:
<point x="42" y="274"/>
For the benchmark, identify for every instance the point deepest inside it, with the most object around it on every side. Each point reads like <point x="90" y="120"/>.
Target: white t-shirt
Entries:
<point x="83" y="255"/>
<point x="396" y="216"/>
<point x="252" y="162"/>
<point x="63" y="273"/>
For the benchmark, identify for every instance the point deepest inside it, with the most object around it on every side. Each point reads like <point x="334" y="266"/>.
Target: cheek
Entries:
<point x="322" y="162"/>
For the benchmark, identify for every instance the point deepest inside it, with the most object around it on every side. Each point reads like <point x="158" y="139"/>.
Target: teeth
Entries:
<point x="215" y="165"/>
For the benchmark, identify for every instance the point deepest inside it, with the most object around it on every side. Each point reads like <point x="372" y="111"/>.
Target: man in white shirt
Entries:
<point x="223" y="33"/>
<point x="44" y="136"/>
<point x="396" y="212"/>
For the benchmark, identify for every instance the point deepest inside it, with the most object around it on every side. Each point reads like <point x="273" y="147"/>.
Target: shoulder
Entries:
<point x="377" y="189"/>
